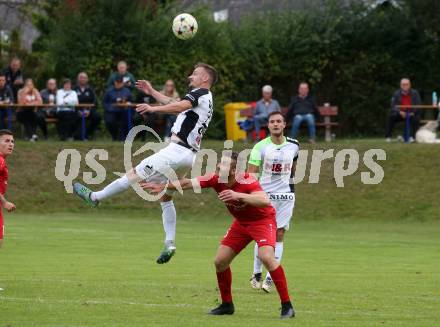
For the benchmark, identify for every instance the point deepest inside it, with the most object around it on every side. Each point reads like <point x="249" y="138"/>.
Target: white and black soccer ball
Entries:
<point x="185" y="26"/>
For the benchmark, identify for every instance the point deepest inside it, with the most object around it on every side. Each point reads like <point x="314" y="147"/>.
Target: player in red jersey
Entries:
<point x="6" y="148"/>
<point x="254" y="220"/>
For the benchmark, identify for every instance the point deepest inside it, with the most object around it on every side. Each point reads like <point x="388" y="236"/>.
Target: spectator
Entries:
<point x="87" y="95"/>
<point x="263" y="108"/>
<point x="28" y="96"/>
<point x="14" y="77"/>
<point x="48" y="95"/>
<point x="66" y="112"/>
<point x="6" y="97"/>
<point x="405" y="96"/>
<point x="303" y="108"/>
<point x="145" y="119"/>
<point x="116" y="118"/>
<point x="127" y="77"/>
<point x="169" y="90"/>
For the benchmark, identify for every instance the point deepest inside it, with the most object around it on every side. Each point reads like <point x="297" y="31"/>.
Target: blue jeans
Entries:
<point x="258" y="121"/>
<point x="298" y="119"/>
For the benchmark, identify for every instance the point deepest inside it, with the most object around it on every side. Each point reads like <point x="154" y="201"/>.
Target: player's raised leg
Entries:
<point x="117" y="186"/>
<point x="169" y="226"/>
<point x="267" y="256"/>
<point x="222" y="262"/>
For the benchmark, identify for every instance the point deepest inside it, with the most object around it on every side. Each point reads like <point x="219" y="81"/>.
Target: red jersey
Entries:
<point x="240" y="211"/>
<point x="3" y="175"/>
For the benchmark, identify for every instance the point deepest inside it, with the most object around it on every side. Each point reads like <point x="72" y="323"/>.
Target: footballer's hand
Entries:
<point x="228" y="196"/>
<point x="9" y="206"/>
<point x="144" y="108"/>
<point x="144" y="86"/>
<point x="153" y="187"/>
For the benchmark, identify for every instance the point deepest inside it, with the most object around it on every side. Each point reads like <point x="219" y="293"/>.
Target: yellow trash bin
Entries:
<point x="232" y="117"/>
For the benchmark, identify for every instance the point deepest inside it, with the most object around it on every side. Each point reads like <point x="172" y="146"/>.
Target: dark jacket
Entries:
<point x="396" y="100"/>
<point x="113" y="96"/>
<point x="5" y="93"/>
<point x="302" y="106"/>
<point x="45" y="95"/>
<point x="86" y="96"/>
<point x="10" y="79"/>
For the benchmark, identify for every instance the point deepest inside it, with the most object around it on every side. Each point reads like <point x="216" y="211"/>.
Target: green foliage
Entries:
<point x="353" y="56"/>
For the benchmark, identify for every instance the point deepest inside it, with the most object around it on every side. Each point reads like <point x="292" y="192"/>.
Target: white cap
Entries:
<point x="267" y="88"/>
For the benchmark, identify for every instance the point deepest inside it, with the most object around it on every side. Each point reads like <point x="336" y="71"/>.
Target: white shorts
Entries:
<point x="171" y="163"/>
<point x="283" y="204"/>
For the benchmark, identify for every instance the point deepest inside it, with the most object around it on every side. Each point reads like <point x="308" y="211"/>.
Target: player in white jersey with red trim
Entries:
<point x="274" y="159"/>
<point x="194" y="112"/>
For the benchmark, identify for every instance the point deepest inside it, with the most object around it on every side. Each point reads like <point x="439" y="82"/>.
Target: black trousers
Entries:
<point x="41" y="121"/>
<point x="117" y="124"/>
<point x="28" y="118"/>
<point x="67" y="124"/>
<point x="92" y="123"/>
<point x="394" y="118"/>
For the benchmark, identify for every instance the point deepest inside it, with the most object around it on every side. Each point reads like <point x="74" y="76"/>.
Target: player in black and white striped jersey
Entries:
<point x="194" y="112"/>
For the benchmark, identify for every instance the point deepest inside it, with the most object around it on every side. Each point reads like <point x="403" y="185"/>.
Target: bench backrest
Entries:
<point x="328" y="110"/>
<point x="323" y="111"/>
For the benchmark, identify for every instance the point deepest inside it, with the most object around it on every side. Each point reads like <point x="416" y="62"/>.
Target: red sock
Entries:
<point x="279" y="279"/>
<point x="224" y="280"/>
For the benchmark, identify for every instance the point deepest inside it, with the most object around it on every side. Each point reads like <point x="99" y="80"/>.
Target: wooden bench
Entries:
<point x="326" y="112"/>
<point x="51" y="120"/>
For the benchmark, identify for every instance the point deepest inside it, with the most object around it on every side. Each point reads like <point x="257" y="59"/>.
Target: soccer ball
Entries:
<point x="184" y="26"/>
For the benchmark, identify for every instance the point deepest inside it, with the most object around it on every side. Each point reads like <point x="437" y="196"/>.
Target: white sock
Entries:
<point x="169" y="220"/>
<point x="278" y="253"/>
<point x="117" y="186"/>
<point x="257" y="262"/>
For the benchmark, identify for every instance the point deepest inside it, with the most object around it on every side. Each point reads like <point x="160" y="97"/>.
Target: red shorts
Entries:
<point x="2" y="226"/>
<point x="240" y="234"/>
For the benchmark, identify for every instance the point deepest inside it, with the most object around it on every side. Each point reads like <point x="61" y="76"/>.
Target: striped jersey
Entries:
<point x="191" y="124"/>
<point x="275" y="162"/>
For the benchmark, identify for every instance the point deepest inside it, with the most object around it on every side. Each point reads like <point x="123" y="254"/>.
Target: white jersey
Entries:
<point x="275" y="162"/>
<point x="191" y="124"/>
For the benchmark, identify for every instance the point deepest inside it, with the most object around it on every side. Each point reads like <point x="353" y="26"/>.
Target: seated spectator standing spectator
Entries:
<point x="115" y="117"/>
<point x="6" y="97"/>
<point x="169" y="90"/>
<point x="303" y="108"/>
<point x="14" y="77"/>
<point x="127" y="77"/>
<point x="263" y="108"/>
<point x="48" y="95"/>
<point x="28" y="96"/>
<point x="86" y="94"/>
<point x="66" y="111"/>
<point x="405" y="96"/>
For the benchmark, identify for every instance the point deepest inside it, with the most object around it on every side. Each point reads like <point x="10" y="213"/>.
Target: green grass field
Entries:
<point x="362" y="255"/>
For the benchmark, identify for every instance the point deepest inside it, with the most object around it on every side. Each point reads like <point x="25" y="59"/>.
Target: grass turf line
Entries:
<point x="100" y="270"/>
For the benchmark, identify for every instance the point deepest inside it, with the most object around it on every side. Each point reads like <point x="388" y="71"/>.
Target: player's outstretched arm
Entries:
<point x="9" y="206"/>
<point x="255" y="199"/>
<point x="184" y="183"/>
<point x="146" y="87"/>
<point x="171" y="108"/>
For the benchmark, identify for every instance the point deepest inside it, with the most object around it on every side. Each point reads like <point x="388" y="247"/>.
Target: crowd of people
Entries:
<point x="303" y="108"/>
<point x="74" y="106"/>
<point x="77" y="117"/>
